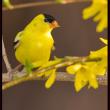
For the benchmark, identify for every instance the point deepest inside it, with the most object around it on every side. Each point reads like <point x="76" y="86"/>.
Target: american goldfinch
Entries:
<point x="34" y="43"/>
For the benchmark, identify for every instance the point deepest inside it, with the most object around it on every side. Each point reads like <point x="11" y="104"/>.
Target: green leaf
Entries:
<point x="7" y="4"/>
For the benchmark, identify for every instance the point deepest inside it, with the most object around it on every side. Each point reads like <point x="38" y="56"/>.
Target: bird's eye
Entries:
<point x="46" y="20"/>
<point x="49" y="18"/>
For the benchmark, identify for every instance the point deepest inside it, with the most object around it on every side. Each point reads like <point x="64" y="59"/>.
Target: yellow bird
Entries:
<point x="33" y="45"/>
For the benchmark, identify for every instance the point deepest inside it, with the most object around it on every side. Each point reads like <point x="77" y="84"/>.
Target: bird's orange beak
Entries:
<point x="54" y="24"/>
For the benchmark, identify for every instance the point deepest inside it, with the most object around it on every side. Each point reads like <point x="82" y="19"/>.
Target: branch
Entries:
<point x="4" y="55"/>
<point x="61" y="76"/>
<point x="27" y="5"/>
<point x="64" y="62"/>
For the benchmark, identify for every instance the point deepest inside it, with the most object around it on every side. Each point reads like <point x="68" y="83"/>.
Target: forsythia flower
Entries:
<point x="88" y="72"/>
<point x="51" y="74"/>
<point x="98" y="10"/>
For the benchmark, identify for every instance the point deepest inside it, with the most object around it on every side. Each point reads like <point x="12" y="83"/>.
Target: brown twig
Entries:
<point x="27" y="5"/>
<point x="15" y="69"/>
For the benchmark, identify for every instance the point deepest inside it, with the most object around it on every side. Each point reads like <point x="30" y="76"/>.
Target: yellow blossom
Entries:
<point x="87" y="72"/>
<point x="99" y="10"/>
<point x="50" y="74"/>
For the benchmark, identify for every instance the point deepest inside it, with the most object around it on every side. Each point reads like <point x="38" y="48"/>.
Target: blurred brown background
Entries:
<point x="75" y="37"/>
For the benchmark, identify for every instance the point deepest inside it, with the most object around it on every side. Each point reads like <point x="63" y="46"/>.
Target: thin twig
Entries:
<point x="33" y="4"/>
<point x="64" y="62"/>
<point x="15" y="69"/>
<point x="4" y="55"/>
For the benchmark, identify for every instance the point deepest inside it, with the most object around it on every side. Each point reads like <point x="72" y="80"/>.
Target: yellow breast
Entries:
<point x="35" y="49"/>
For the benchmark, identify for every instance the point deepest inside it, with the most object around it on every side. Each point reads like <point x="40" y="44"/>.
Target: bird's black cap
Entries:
<point x="49" y="18"/>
